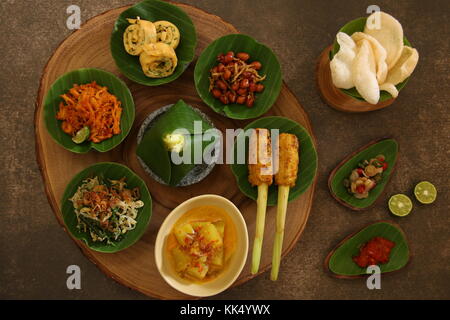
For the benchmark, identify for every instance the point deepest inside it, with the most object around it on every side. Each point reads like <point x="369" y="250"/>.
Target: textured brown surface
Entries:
<point x="35" y="251"/>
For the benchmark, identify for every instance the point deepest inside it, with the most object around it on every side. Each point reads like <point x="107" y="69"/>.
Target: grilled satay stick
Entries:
<point x="260" y="174"/>
<point x="285" y="178"/>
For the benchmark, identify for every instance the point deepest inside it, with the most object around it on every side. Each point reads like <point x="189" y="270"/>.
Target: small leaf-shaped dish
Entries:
<point x="82" y="76"/>
<point x="388" y="148"/>
<point x="339" y="261"/>
<point x="307" y="166"/>
<point x="153" y="10"/>
<point x="258" y="52"/>
<point x="113" y="171"/>
<point x="350" y="28"/>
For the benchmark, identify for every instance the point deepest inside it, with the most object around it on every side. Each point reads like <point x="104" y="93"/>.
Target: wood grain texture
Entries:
<point x="333" y="96"/>
<point x="135" y="267"/>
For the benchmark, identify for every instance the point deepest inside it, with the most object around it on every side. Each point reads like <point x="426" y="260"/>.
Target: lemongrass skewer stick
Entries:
<point x="260" y="174"/>
<point x="261" y="205"/>
<point x="287" y="159"/>
<point x="283" y="195"/>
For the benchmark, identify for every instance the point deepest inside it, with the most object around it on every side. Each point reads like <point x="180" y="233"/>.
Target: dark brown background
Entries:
<point x="35" y="251"/>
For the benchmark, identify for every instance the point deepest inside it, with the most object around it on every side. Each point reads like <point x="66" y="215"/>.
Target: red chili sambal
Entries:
<point x="376" y="251"/>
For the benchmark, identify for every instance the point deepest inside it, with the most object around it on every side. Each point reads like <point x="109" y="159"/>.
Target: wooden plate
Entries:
<point x="334" y="97"/>
<point x="135" y="267"/>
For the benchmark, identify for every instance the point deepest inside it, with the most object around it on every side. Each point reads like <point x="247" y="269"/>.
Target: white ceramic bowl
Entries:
<point x="237" y="260"/>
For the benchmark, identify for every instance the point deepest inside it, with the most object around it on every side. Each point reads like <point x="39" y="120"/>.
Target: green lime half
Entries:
<point x="81" y="135"/>
<point x="425" y="192"/>
<point x="400" y="205"/>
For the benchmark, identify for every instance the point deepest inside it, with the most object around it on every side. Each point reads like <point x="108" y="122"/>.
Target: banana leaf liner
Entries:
<point x="307" y="167"/>
<point x="339" y="261"/>
<point x="153" y="152"/>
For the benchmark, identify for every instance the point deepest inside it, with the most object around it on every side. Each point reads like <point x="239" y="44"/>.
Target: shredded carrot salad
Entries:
<point x="93" y="106"/>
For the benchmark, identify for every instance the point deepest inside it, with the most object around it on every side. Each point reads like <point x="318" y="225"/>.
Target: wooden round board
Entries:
<point x="135" y="267"/>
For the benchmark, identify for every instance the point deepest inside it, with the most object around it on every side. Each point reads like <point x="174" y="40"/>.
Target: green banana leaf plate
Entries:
<point x="153" y="153"/>
<point x="113" y="171"/>
<point x="388" y="147"/>
<point x="307" y="167"/>
<point x="153" y="10"/>
<point x="82" y="76"/>
<point x="350" y="28"/>
<point x="258" y="52"/>
<point x="339" y="261"/>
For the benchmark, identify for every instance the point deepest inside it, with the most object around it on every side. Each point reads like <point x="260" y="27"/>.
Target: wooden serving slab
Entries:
<point x="334" y="97"/>
<point x="135" y="267"/>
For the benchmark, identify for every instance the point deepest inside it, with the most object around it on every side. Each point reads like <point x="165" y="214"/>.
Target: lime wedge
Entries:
<point x="425" y="192"/>
<point x="400" y="205"/>
<point x="81" y="135"/>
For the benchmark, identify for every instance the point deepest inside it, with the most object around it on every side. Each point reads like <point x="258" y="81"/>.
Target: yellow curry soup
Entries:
<point x="201" y="244"/>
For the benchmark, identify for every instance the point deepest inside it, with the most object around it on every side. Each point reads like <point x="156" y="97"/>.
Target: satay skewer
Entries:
<point x="260" y="174"/>
<point x="285" y="178"/>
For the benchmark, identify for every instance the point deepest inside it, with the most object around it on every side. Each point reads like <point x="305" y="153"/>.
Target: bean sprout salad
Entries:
<point x="106" y="209"/>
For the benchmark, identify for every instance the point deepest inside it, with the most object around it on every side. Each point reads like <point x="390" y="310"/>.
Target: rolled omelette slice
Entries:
<point x="167" y="33"/>
<point x="137" y="34"/>
<point x="158" y="60"/>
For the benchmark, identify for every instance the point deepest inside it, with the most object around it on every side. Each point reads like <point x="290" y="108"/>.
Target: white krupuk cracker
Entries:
<point x="389" y="33"/>
<point x="364" y="73"/>
<point x="341" y="65"/>
<point x="379" y="53"/>
<point x="402" y="70"/>
<point x="404" y="66"/>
